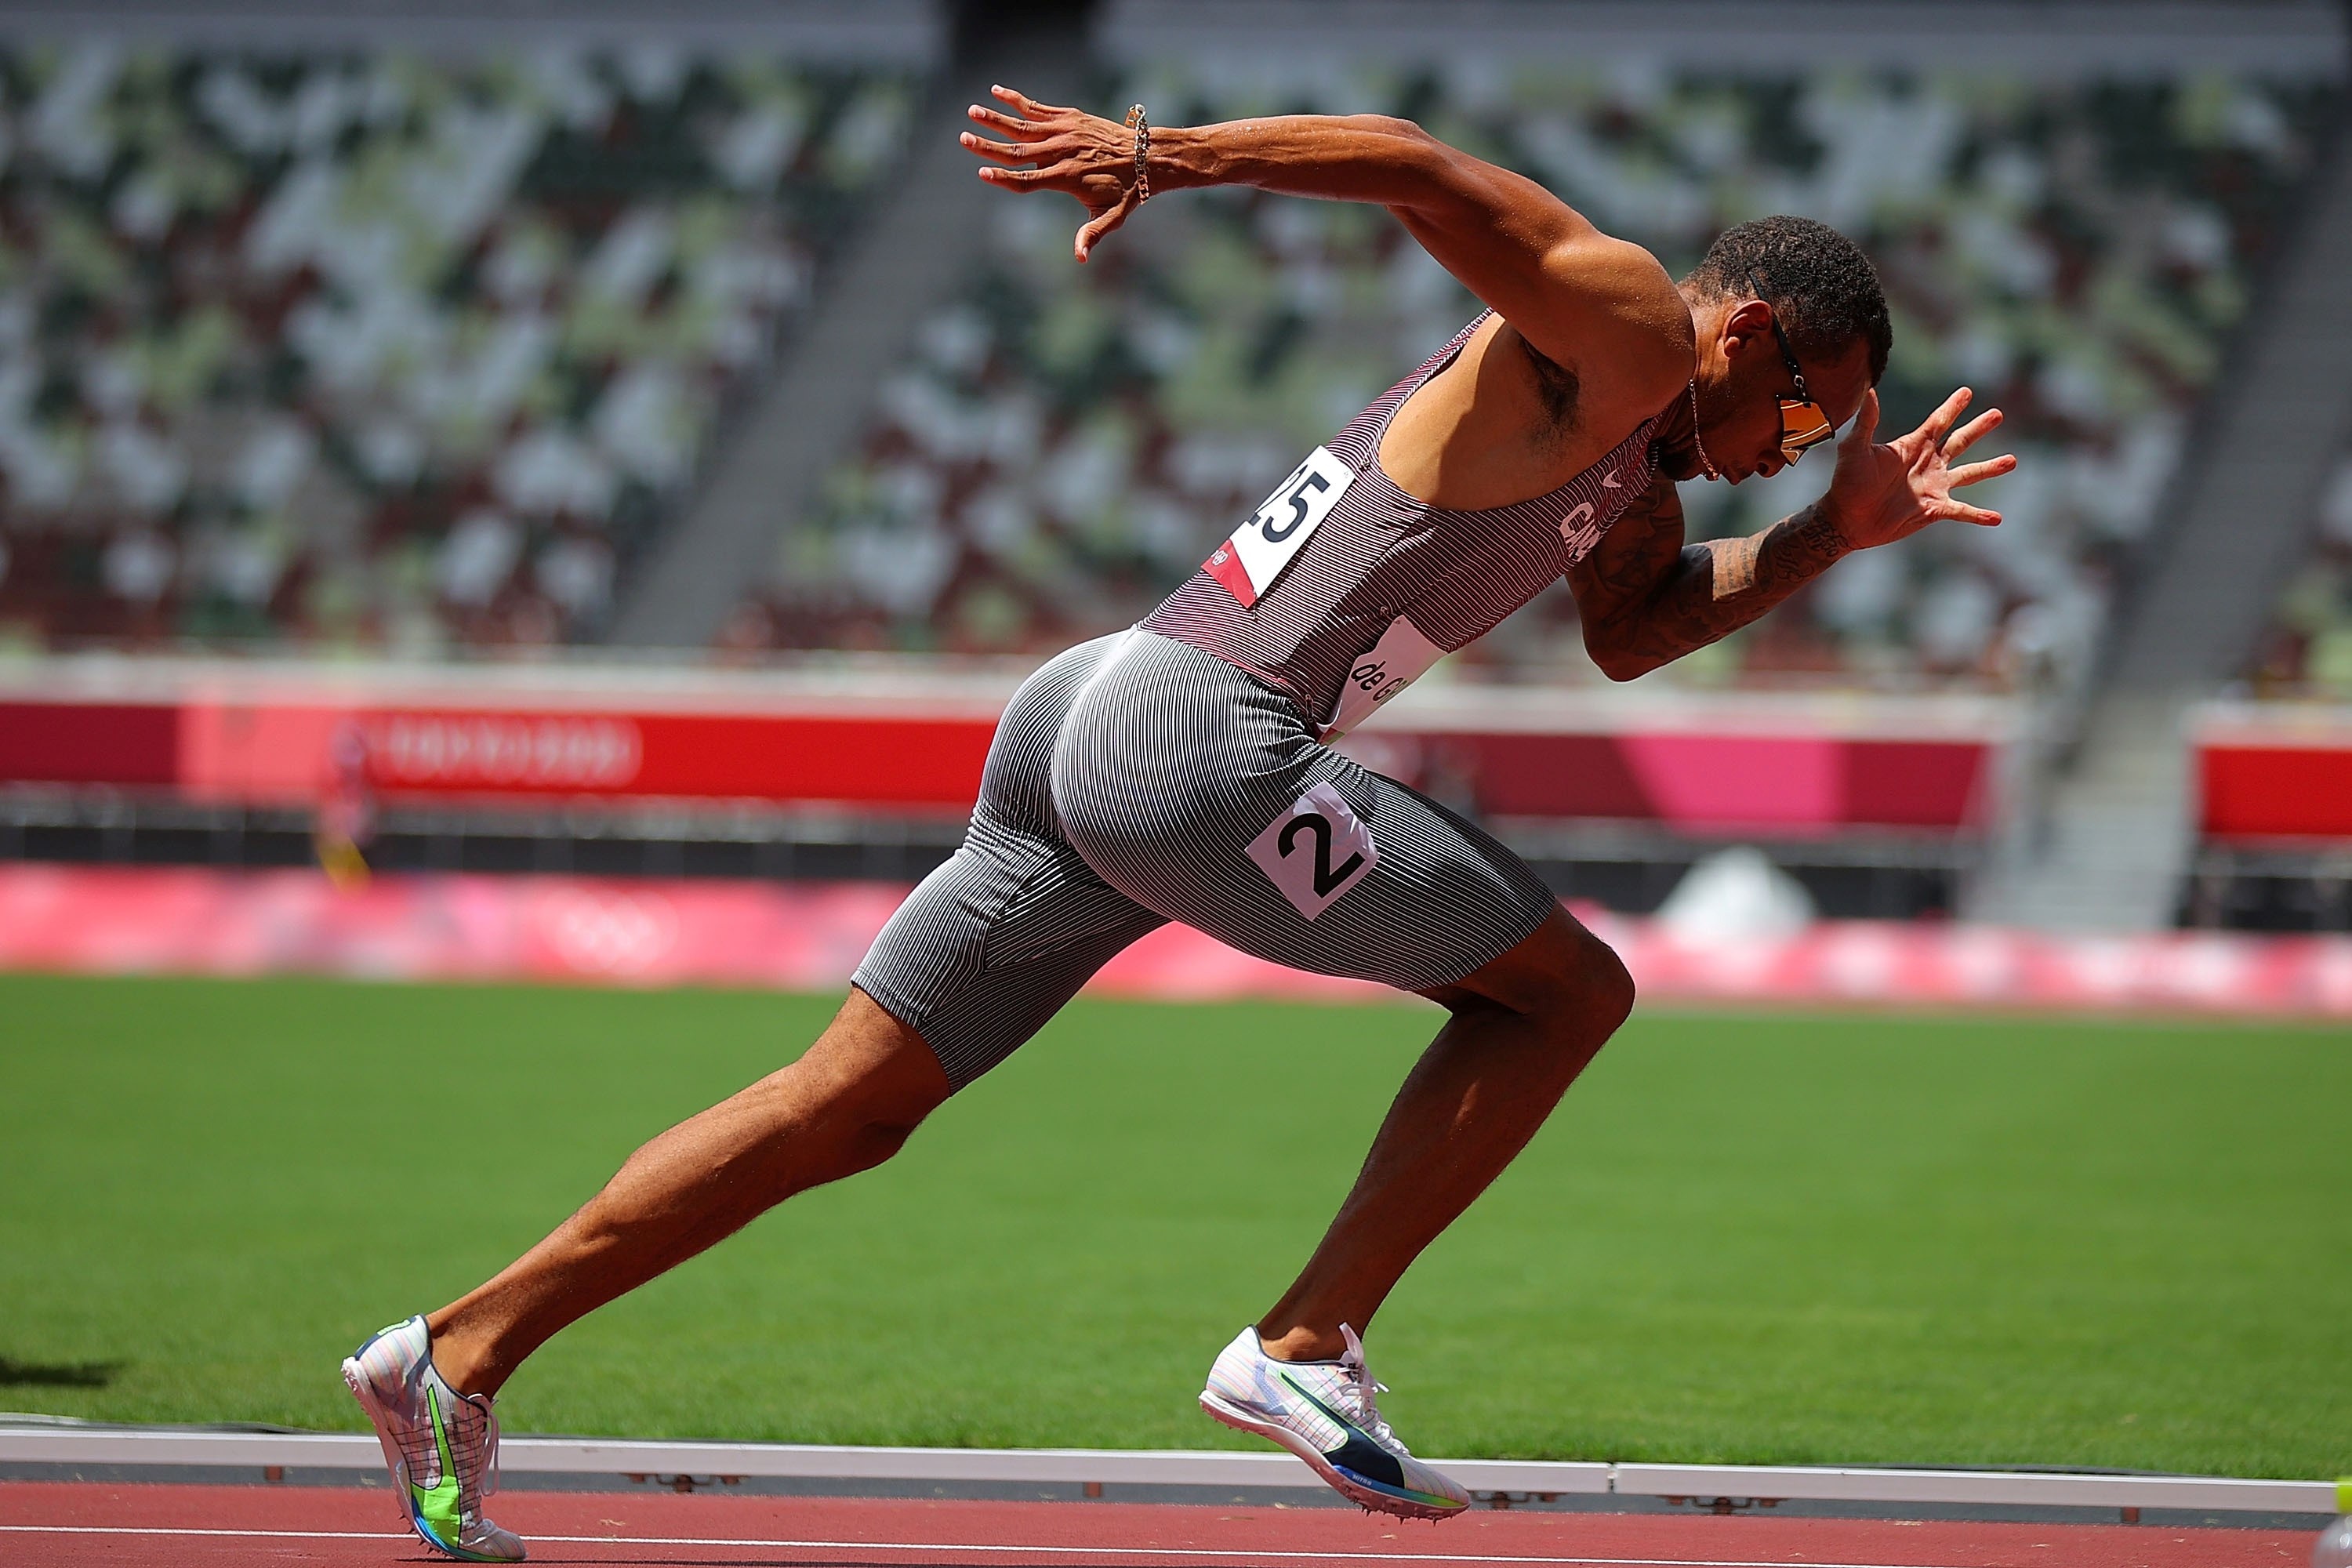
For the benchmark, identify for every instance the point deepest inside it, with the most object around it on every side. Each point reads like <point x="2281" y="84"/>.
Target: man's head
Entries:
<point x="1824" y="294"/>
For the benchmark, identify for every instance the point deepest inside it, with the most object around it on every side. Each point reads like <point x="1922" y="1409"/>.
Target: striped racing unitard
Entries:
<point x="1182" y="770"/>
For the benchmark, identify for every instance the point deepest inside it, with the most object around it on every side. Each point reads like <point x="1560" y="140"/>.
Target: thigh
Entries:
<point x="993" y="943"/>
<point x="1201" y="795"/>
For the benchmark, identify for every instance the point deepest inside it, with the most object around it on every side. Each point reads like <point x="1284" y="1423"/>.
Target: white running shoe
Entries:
<point x="1323" y="1412"/>
<point x="441" y="1445"/>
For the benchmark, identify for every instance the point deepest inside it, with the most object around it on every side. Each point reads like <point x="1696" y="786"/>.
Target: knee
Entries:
<point x="813" y="1132"/>
<point x="1614" y="983"/>
<point x="862" y="1089"/>
<point x="1584" y="985"/>
<point x="1563" y="977"/>
<point x="870" y="1120"/>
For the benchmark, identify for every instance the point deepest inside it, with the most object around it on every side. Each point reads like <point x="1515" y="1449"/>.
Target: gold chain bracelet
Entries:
<point x="1141" y="124"/>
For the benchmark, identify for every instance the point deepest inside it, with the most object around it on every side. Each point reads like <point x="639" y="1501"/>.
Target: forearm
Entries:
<point x="1713" y="589"/>
<point x="1573" y="291"/>
<point x="1353" y="157"/>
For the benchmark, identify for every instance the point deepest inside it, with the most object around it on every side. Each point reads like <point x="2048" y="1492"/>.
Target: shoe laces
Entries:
<point x="490" y="1442"/>
<point x="1362" y="1390"/>
<point x="482" y="1470"/>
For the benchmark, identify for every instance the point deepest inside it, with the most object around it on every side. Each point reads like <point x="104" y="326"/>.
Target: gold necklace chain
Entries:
<point x="1703" y="460"/>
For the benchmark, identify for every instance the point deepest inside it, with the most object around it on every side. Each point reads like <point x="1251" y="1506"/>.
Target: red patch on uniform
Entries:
<point x="1225" y="566"/>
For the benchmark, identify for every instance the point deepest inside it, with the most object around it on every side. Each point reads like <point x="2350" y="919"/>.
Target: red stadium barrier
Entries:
<point x="2274" y="771"/>
<point x="277" y="754"/>
<point x="914" y="743"/>
<point x="89" y="743"/>
<point x="1773" y="785"/>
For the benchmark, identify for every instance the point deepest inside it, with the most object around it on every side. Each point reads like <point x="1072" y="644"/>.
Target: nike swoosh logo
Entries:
<point x="1609" y="482"/>
<point x="1359" y="1455"/>
<point x="438" y="1505"/>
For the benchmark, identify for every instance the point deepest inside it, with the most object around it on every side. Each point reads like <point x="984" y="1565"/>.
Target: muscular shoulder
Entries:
<point x="1616" y="320"/>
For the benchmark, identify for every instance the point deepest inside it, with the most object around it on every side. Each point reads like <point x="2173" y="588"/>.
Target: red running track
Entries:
<point x="59" y="1525"/>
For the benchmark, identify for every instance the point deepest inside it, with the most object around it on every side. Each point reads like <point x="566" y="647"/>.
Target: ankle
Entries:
<point x="463" y="1363"/>
<point x="1298" y="1343"/>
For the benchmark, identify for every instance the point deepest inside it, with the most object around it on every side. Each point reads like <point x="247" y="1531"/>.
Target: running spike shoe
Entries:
<point x="1323" y="1411"/>
<point x="441" y="1445"/>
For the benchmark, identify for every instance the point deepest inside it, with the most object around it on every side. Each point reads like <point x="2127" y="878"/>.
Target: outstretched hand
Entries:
<point x="1082" y="155"/>
<point x="1882" y="492"/>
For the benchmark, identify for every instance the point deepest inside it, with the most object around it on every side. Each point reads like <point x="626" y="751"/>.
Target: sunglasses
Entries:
<point x="1804" y="424"/>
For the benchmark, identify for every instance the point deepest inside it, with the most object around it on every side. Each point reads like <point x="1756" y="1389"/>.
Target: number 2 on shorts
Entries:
<point x="1316" y="850"/>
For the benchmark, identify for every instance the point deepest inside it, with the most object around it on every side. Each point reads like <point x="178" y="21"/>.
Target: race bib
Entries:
<point x="1401" y="656"/>
<point x="1314" y="851"/>
<point x="1249" y="562"/>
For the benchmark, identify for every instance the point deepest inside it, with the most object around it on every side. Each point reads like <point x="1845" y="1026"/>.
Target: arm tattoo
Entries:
<point x="1735" y="563"/>
<point x="1718" y="587"/>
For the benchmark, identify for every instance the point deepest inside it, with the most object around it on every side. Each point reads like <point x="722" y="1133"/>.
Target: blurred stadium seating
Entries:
<point x="1066" y="442"/>
<point x="2308" y="651"/>
<point x="361" y="348"/>
<point x="428" y="341"/>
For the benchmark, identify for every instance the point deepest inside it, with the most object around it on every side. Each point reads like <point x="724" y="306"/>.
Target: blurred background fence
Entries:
<point x="619" y="446"/>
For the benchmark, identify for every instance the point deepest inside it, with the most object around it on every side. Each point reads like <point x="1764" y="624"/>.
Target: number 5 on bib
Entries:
<point x="1249" y="562"/>
<point x="1316" y="850"/>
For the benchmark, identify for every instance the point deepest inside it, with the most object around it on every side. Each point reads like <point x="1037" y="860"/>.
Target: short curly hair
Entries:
<point x="1822" y="286"/>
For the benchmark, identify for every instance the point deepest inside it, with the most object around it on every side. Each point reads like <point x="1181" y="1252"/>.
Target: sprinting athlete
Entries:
<point x="1182" y="770"/>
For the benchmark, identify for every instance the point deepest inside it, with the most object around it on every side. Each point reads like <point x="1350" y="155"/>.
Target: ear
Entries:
<point x="1747" y="326"/>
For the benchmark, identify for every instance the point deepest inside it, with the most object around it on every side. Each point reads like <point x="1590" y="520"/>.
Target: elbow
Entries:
<point x="1619" y="662"/>
<point x="1407" y="144"/>
<point x="1393" y="125"/>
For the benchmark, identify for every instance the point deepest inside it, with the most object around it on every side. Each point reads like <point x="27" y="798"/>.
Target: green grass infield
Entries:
<point x="1792" y="1239"/>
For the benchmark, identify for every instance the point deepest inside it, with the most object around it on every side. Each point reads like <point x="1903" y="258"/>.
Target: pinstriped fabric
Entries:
<point x="1127" y="779"/>
<point x="1173" y="761"/>
<point x="1000" y="936"/>
<point x="1133" y="778"/>
<point x="1382" y="554"/>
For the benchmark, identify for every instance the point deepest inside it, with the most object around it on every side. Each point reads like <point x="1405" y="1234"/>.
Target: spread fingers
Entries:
<point x="1054" y="178"/>
<point x="1030" y="153"/>
<point x="1977" y="473"/>
<point x="998" y="151"/>
<point x="1006" y="124"/>
<point x="1939" y="423"/>
<point x="1026" y="105"/>
<point x="1968" y="435"/>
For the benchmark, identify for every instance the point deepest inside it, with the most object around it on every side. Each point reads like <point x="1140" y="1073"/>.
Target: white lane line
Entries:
<point x="167" y="1529"/>
<point x="975" y="1546"/>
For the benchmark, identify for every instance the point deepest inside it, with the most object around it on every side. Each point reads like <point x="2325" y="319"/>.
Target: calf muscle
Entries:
<point x="1522" y="1029"/>
<point x="845" y="1106"/>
